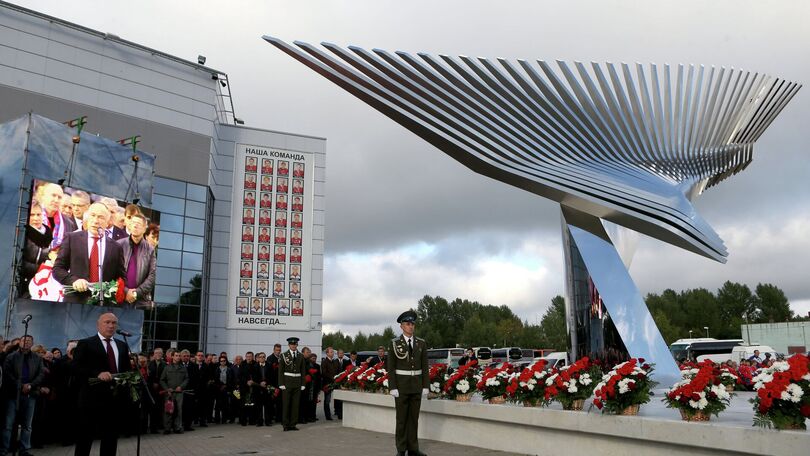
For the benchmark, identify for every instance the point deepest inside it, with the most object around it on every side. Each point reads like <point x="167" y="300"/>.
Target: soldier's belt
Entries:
<point x="291" y="374"/>
<point x="407" y="372"/>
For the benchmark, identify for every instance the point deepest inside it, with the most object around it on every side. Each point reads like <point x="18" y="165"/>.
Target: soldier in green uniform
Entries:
<point x="291" y="383"/>
<point x="408" y="381"/>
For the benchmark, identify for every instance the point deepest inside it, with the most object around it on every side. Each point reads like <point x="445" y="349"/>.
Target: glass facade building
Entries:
<point x="181" y="284"/>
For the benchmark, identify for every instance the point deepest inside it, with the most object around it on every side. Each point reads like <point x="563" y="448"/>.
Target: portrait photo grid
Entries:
<point x="271" y="238"/>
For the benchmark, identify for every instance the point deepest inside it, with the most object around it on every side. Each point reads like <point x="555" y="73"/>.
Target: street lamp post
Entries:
<point x="707" y="331"/>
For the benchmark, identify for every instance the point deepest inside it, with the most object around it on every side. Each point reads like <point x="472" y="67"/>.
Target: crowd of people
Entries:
<point x="745" y="370"/>
<point x="41" y="387"/>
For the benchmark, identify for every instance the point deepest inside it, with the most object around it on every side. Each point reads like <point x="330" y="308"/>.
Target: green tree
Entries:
<point x="772" y="304"/>
<point x="553" y="326"/>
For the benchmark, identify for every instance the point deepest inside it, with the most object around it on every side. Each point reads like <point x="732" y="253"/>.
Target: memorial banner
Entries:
<point x="270" y="272"/>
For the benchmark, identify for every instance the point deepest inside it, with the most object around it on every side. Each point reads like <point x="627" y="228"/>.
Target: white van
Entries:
<point x="739" y="353"/>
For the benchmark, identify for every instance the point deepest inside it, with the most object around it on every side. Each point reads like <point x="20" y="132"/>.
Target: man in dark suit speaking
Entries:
<point x="83" y="253"/>
<point x="100" y="356"/>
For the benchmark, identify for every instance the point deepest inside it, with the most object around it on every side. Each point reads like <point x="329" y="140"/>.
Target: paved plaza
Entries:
<point x="321" y="438"/>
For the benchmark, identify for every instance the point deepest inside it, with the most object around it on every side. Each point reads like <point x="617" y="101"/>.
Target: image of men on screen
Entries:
<point x="298" y="204"/>
<point x="87" y="257"/>
<point x="241" y="305"/>
<point x="261" y="289"/>
<point x="267" y="166"/>
<point x="278" y="289"/>
<point x="264" y="218"/>
<point x="247" y="217"/>
<point x="283" y="168"/>
<point x="295" y="255"/>
<point x="264" y="272"/>
<point x="270" y="306"/>
<point x="298" y="307"/>
<point x="295" y="272"/>
<point x="264" y="235"/>
<point x="278" y="271"/>
<point x="37" y="250"/>
<point x="282" y="185"/>
<point x="256" y="307"/>
<point x="267" y="184"/>
<point x="140" y="264"/>
<point x="50" y="197"/>
<point x="298" y="186"/>
<point x="298" y="169"/>
<point x="250" y="164"/>
<point x="247" y="233"/>
<point x="284" y="307"/>
<point x="295" y="290"/>
<point x="245" y="289"/>
<point x="247" y="270"/>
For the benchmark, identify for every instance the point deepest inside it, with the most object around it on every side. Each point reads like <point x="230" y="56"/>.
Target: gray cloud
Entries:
<point x="388" y="191"/>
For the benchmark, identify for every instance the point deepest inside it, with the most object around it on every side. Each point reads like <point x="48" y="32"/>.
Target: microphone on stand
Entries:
<point x="101" y="234"/>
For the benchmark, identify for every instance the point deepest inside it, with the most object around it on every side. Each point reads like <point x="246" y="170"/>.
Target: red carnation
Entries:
<point x="119" y="292"/>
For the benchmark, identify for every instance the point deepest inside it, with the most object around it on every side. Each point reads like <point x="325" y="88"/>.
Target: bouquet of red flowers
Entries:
<point x="103" y="291"/>
<point x="783" y="394"/>
<point x="367" y="380"/>
<point x="436" y="375"/>
<point x="352" y="381"/>
<point x="529" y="387"/>
<point x="700" y="394"/>
<point x="493" y="381"/>
<point x="625" y="387"/>
<point x="571" y="385"/>
<point x="462" y="381"/>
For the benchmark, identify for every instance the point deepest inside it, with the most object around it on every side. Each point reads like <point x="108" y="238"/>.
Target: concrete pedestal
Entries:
<point x="656" y="431"/>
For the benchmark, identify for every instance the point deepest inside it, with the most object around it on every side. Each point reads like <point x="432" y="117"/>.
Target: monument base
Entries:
<point x="656" y="431"/>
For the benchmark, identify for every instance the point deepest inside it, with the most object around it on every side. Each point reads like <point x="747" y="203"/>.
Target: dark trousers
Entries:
<point x="95" y="421"/>
<point x="407" y="406"/>
<point x="339" y="408"/>
<point x="327" y="407"/>
<point x="291" y="401"/>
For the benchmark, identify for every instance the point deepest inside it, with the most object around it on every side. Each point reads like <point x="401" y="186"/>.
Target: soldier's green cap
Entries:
<point x="409" y="316"/>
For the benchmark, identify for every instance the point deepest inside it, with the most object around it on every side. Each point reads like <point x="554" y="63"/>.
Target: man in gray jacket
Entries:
<point x="139" y="262"/>
<point x="22" y="375"/>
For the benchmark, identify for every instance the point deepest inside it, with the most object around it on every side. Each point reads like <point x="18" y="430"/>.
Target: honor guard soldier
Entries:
<point x="291" y="373"/>
<point x="408" y="380"/>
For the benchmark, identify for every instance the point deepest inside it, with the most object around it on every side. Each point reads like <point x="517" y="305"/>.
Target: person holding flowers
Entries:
<point x="408" y="383"/>
<point x="88" y="258"/>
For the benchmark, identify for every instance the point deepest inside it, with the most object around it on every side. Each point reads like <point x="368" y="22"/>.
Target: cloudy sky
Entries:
<point x="404" y="220"/>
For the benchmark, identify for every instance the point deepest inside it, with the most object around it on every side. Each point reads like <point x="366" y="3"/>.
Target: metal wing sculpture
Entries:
<point x="625" y="143"/>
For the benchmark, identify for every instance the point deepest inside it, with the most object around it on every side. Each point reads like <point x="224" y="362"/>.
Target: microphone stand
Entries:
<point x="101" y="242"/>
<point x="145" y="389"/>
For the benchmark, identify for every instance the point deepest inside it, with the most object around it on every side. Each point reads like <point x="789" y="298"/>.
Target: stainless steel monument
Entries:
<point x="622" y="149"/>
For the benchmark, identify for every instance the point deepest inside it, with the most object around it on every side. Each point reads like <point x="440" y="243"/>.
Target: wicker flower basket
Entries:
<point x="697" y="416"/>
<point x="631" y="410"/>
<point x="497" y="400"/>
<point x="464" y="397"/>
<point x="576" y="405"/>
